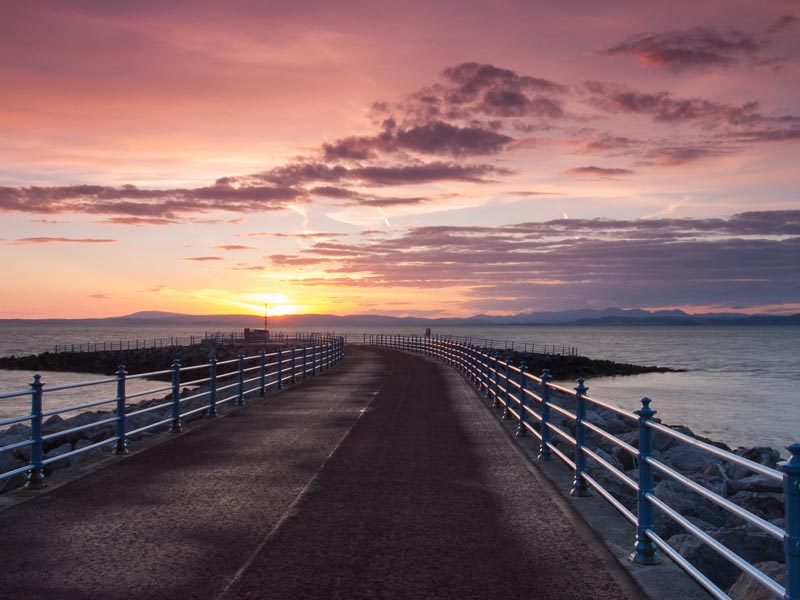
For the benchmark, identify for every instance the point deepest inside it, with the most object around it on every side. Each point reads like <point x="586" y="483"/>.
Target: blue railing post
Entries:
<point x="580" y="488"/>
<point x="175" y="426"/>
<point x="211" y="411"/>
<point x="36" y="473"/>
<point x="522" y="431"/>
<point x="495" y="382"/>
<point x="645" y="551"/>
<point x="791" y="541"/>
<point x="509" y="389"/>
<point x="485" y="374"/>
<point x="293" y="363"/>
<point x="545" y="453"/>
<point x="313" y="358"/>
<point x="121" y="447"/>
<point x="280" y="369"/>
<point x="262" y="372"/>
<point x="472" y="357"/>
<point x="305" y="366"/>
<point x="240" y="387"/>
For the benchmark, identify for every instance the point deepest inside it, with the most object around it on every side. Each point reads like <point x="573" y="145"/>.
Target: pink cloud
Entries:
<point x="58" y="240"/>
<point x="599" y="172"/>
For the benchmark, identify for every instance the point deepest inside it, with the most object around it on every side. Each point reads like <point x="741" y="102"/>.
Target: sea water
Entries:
<point x="741" y="385"/>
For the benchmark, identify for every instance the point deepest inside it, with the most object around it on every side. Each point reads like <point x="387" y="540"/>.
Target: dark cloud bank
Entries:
<point x="749" y="259"/>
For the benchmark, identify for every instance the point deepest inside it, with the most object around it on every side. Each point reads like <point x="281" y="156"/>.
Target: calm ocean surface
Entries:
<point x="742" y="386"/>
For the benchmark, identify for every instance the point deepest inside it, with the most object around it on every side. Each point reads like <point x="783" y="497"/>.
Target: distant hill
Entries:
<point x="584" y="317"/>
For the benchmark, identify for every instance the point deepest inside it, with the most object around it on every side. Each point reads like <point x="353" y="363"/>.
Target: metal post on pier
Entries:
<point x="580" y="488"/>
<point x="645" y="550"/>
<point x="523" y="413"/>
<point x="791" y="542"/>
<point x="36" y="473"/>
<point x="121" y="446"/>
<point x="211" y="411"/>
<point x="262" y="372"/>
<point x="545" y="454"/>
<point x="495" y="382"/>
<point x="305" y="366"/>
<point x="293" y="380"/>
<point x="240" y="389"/>
<point x="508" y="396"/>
<point x="175" y="426"/>
<point x="280" y="369"/>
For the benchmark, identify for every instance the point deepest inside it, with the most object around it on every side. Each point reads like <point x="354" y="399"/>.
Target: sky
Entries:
<point x="437" y="158"/>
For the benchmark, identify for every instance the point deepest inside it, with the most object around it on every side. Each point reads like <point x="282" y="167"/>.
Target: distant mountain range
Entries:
<point x="587" y="317"/>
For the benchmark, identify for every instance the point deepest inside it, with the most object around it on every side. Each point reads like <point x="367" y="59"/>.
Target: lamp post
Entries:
<point x="266" y="332"/>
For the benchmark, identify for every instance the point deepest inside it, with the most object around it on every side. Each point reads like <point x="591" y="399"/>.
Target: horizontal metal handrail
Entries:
<point x="72" y="453"/>
<point x="92" y="425"/>
<point x="609" y="497"/>
<point x="13" y="420"/>
<point x="58" y="411"/>
<point x="688" y="567"/>
<point x="610" y="407"/>
<point x="15" y="394"/>
<point x="612" y="469"/>
<point x="739" y="460"/>
<point x="72" y="386"/>
<point x="611" y="438"/>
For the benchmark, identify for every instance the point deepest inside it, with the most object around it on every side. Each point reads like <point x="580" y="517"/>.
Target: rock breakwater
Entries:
<point x="756" y="493"/>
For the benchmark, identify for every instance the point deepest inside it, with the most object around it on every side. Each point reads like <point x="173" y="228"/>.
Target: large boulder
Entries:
<point x="610" y="421"/>
<point x="767" y="505"/>
<point x="747" y="588"/>
<point x="663" y="442"/>
<point x="751" y="545"/>
<point x="93" y="434"/>
<point x="87" y="454"/>
<point x="59" y="451"/>
<point x="760" y="454"/>
<point x="51" y="425"/>
<point x="755" y="483"/>
<point x="142" y="420"/>
<point x="14" y="435"/>
<point x="9" y="462"/>
<point x="690" y="504"/>
<point x="688" y="459"/>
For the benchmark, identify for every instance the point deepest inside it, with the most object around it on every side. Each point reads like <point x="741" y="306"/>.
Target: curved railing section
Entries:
<point x="594" y="438"/>
<point x="188" y="392"/>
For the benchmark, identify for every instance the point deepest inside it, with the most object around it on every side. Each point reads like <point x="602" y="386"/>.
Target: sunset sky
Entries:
<point x="437" y="158"/>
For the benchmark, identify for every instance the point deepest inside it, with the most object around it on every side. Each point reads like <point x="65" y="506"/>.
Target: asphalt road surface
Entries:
<point x="385" y="477"/>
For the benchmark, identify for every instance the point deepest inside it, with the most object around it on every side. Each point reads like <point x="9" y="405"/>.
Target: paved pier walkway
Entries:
<point x="385" y="477"/>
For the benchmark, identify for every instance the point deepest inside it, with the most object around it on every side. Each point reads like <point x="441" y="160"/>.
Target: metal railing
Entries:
<point x="488" y="343"/>
<point x="219" y="337"/>
<point x="539" y="406"/>
<point x="137" y="344"/>
<point x="192" y="391"/>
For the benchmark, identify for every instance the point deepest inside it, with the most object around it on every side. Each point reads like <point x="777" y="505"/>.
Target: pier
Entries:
<point x="385" y="475"/>
<point x="384" y="478"/>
